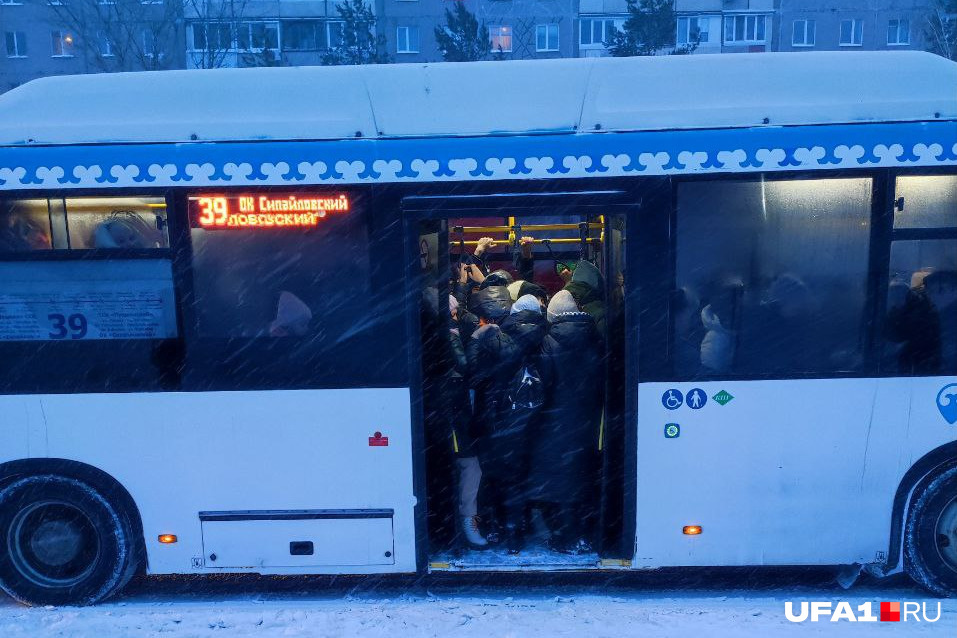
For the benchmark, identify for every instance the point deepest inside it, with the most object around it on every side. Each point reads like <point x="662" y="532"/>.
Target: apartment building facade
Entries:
<point x="725" y="26"/>
<point x="39" y="40"/>
<point x="213" y="33"/>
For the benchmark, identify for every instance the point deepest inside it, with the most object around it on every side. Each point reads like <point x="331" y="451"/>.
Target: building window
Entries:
<point x="257" y="36"/>
<point x="10" y="2"/>
<point x="149" y="43"/>
<point x="301" y="35"/>
<point x="745" y="29"/>
<point x="500" y="38"/>
<point x="546" y="37"/>
<point x="694" y="29"/>
<point x="62" y="44"/>
<point x="407" y="40"/>
<point x="595" y="32"/>
<point x="241" y="36"/>
<point x="898" y="32"/>
<point x="311" y="35"/>
<point x="803" y="33"/>
<point x="104" y="45"/>
<point x="16" y="44"/>
<point x="852" y="33"/>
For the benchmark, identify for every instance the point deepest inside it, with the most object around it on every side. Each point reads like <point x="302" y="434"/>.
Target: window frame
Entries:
<point x="505" y="31"/>
<point x="684" y="34"/>
<point x="410" y="48"/>
<point x="657" y="361"/>
<point x="809" y="29"/>
<point x="19" y="52"/>
<point x="615" y="21"/>
<point x="898" y="42"/>
<point x="857" y="30"/>
<point x="59" y="36"/>
<point x="547" y="27"/>
<point x="732" y="19"/>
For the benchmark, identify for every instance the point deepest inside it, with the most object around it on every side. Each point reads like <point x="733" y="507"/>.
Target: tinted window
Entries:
<point x="284" y="299"/>
<point x="96" y="290"/>
<point x="921" y="323"/>
<point x="771" y="277"/>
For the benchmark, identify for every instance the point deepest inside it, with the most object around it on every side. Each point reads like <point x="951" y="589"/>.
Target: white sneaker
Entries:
<point x="471" y="530"/>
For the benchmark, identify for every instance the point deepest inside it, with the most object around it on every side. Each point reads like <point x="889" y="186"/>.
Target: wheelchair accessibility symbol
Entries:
<point x="672" y="399"/>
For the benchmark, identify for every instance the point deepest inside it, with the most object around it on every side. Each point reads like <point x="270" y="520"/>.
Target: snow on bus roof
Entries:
<point x="482" y="98"/>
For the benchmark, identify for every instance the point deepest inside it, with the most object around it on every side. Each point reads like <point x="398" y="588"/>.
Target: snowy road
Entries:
<point x="713" y="604"/>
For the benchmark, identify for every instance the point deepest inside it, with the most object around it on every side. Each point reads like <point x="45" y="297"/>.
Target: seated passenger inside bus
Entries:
<point x="22" y="230"/>
<point x="922" y="320"/>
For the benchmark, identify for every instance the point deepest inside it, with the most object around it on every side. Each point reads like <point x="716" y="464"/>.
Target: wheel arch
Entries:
<point x="100" y="480"/>
<point x="922" y="472"/>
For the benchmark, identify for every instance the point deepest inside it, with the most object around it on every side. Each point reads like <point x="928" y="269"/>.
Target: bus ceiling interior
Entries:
<point x="456" y="414"/>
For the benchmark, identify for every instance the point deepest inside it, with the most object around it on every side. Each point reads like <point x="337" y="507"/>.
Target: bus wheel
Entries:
<point x="62" y="542"/>
<point x="930" y="544"/>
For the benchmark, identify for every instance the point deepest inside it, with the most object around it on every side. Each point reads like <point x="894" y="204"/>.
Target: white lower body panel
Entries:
<point x="180" y="454"/>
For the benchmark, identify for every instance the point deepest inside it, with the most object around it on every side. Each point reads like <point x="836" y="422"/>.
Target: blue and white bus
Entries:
<point x="211" y="353"/>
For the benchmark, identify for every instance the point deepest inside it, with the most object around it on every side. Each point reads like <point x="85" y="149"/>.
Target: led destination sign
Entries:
<point x="276" y="210"/>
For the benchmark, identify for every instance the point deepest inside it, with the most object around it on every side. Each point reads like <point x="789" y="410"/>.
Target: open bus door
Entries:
<point x="568" y="227"/>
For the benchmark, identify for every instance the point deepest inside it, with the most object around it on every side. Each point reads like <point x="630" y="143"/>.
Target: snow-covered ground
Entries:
<point x="712" y="604"/>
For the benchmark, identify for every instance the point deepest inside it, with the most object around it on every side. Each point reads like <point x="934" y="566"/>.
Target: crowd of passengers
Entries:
<point x="791" y="330"/>
<point x="519" y="382"/>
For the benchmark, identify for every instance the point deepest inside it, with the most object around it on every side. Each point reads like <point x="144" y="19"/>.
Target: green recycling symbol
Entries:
<point x="672" y="431"/>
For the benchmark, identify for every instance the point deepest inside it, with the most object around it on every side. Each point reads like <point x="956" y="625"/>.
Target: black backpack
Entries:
<point x="526" y="391"/>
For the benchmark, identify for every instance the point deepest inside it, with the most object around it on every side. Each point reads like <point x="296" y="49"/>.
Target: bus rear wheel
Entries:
<point x="930" y="543"/>
<point x="62" y="542"/>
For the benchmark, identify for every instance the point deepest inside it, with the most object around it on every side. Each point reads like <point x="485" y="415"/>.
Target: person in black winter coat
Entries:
<point x="492" y="356"/>
<point x="505" y="447"/>
<point x="564" y="450"/>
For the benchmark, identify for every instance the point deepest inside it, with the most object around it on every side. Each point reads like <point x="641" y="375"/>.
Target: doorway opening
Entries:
<point x="523" y="329"/>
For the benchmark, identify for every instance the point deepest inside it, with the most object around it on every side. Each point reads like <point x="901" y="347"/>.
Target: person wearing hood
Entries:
<point x="506" y="457"/>
<point x="492" y="357"/>
<point x="492" y="295"/>
<point x="586" y="287"/>
<point x="564" y="450"/>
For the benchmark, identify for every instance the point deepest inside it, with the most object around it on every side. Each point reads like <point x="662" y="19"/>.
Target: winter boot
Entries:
<point x="473" y="536"/>
<point x="514" y="538"/>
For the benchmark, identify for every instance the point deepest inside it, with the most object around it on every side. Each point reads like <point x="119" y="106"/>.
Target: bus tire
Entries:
<point x="62" y="542"/>
<point x="930" y="540"/>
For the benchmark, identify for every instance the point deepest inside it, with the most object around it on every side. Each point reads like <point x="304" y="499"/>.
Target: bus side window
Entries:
<point x="117" y="222"/>
<point x="24" y="226"/>
<point x="920" y="327"/>
<point x="778" y="270"/>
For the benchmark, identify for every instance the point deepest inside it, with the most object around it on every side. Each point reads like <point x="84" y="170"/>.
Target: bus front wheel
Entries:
<point x="930" y="543"/>
<point x="63" y="542"/>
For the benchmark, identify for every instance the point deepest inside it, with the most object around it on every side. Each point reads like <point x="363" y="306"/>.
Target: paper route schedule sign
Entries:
<point x="53" y="301"/>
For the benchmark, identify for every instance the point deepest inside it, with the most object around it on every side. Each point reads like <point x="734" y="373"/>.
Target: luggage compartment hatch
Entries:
<point x="298" y="538"/>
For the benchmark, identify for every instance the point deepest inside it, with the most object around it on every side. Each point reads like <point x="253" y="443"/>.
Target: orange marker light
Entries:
<point x="166" y="539"/>
<point x="691" y="530"/>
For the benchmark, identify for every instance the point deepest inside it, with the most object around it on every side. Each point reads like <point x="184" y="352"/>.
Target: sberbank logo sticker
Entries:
<point x="723" y="398"/>
<point x="672" y="431"/>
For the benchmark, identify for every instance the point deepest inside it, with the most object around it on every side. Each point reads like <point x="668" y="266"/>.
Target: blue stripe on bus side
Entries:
<point x="482" y="158"/>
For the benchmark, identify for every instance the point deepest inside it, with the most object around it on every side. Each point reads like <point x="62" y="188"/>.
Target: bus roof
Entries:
<point x="482" y="98"/>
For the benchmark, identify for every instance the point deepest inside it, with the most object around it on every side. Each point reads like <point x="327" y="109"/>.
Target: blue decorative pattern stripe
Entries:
<point x="480" y="158"/>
